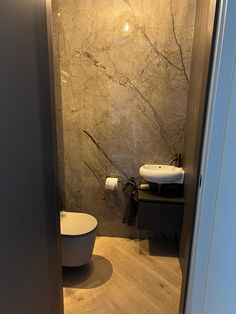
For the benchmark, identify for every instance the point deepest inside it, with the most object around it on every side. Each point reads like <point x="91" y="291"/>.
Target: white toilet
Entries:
<point x="78" y="233"/>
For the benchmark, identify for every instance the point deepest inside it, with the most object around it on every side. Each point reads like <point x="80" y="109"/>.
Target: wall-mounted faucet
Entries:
<point x="177" y="160"/>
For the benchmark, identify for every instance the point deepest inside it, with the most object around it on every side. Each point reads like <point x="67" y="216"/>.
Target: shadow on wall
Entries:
<point x="92" y="275"/>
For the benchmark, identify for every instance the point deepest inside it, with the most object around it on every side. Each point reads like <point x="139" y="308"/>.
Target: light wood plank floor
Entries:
<point x="124" y="278"/>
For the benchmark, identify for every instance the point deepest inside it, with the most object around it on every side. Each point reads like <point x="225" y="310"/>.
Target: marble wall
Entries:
<point x="122" y="78"/>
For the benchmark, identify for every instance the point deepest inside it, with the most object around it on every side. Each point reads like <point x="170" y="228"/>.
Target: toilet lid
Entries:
<point x="75" y="224"/>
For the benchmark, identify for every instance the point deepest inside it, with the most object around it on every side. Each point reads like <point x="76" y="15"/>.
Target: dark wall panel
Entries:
<point x="29" y="229"/>
<point x="198" y="92"/>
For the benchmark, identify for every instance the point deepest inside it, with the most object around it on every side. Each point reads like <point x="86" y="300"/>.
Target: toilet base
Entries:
<point x="77" y="250"/>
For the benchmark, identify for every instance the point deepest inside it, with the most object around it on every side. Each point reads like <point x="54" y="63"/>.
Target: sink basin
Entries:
<point x="162" y="174"/>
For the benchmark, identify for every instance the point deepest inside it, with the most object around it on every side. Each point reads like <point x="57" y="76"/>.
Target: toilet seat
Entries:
<point x="74" y="224"/>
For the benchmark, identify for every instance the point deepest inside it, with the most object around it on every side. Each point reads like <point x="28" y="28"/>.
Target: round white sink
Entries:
<point x="162" y="174"/>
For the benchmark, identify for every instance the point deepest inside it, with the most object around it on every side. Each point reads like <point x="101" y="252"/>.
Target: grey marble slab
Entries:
<point x="122" y="71"/>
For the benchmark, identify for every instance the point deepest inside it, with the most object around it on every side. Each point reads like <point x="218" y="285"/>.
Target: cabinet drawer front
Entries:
<point x="159" y="217"/>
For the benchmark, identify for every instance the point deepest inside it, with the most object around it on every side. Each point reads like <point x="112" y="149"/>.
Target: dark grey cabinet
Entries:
<point x="159" y="214"/>
<point x="159" y="217"/>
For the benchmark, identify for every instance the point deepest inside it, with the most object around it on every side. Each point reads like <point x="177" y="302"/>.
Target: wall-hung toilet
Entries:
<point x="78" y="233"/>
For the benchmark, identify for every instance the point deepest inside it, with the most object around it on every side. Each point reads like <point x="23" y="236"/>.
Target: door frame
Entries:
<point x="206" y="263"/>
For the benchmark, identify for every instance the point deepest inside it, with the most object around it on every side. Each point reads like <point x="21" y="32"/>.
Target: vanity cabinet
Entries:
<point x="159" y="214"/>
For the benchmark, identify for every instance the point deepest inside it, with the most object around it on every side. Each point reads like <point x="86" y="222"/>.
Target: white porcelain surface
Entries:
<point x="78" y="234"/>
<point x="75" y="224"/>
<point x="162" y="173"/>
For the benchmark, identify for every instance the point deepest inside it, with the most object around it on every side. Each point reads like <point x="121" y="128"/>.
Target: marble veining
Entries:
<point x="122" y="71"/>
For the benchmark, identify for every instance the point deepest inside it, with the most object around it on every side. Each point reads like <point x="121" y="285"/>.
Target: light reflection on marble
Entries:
<point x="122" y="78"/>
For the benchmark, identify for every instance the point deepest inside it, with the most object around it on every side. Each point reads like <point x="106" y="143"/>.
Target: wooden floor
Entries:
<point x="124" y="278"/>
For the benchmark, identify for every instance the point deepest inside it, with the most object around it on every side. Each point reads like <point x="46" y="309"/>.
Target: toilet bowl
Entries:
<point x="78" y="233"/>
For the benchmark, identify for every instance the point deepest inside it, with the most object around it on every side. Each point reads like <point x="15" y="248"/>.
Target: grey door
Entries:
<point x="30" y="272"/>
